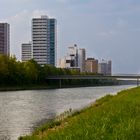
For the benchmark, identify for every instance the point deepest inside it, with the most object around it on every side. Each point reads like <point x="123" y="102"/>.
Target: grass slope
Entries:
<point x="109" y="118"/>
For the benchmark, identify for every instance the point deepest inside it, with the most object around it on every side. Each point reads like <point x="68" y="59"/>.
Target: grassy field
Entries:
<point x="109" y="118"/>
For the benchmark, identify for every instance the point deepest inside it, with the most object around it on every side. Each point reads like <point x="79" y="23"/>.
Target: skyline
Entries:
<point x="105" y="28"/>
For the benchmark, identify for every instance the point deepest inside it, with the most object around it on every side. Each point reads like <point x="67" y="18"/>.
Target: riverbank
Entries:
<point x="38" y="87"/>
<point x="46" y="86"/>
<point x="111" y="117"/>
<point x="31" y="87"/>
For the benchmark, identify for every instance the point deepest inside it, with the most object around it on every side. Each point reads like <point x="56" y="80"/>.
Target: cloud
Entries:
<point x="63" y="1"/>
<point x="107" y="34"/>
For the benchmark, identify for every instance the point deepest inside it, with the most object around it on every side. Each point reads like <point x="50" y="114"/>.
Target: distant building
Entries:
<point x="72" y="57"/>
<point x="5" y="39"/>
<point x="81" y="59"/>
<point x="91" y="65"/>
<point x="109" y="67"/>
<point x="62" y="63"/>
<point x="44" y="40"/>
<point x="75" y="59"/>
<point x="105" y="67"/>
<point x="26" y="50"/>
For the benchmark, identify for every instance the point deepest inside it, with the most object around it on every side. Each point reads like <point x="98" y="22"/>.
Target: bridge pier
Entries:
<point x="60" y="83"/>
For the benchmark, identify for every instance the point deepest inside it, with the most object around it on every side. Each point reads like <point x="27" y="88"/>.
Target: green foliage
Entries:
<point x="16" y="73"/>
<point x="27" y="74"/>
<point x="110" y="118"/>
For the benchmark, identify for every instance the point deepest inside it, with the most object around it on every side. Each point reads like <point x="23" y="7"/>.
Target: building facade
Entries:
<point x="81" y="59"/>
<point x="105" y="67"/>
<point x="26" y="49"/>
<point x="44" y="40"/>
<point x="62" y="63"/>
<point x="75" y="59"/>
<point x="5" y="39"/>
<point x="91" y="65"/>
<point x="72" y="57"/>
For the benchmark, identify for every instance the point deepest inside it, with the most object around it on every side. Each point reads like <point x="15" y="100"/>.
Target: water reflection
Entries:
<point x="22" y="111"/>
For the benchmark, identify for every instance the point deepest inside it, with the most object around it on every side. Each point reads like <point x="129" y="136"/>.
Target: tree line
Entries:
<point x="16" y="73"/>
<point x="13" y="72"/>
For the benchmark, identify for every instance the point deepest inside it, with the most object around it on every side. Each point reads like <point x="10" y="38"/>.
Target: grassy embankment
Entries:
<point x="109" y="118"/>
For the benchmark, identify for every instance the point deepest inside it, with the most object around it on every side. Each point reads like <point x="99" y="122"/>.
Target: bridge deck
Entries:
<point x="93" y="77"/>
<point x="62" y="77"/>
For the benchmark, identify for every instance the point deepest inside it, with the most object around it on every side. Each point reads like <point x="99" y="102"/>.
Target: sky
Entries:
<point x="107" y="29"/>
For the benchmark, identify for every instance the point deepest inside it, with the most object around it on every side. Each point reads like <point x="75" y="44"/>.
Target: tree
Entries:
<point x="31" y="71"/>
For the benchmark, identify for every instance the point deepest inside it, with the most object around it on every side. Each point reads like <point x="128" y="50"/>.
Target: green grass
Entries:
<point x="109" y="118"/>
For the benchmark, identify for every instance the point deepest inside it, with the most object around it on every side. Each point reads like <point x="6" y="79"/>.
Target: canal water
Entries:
<point x="22" y="111"/>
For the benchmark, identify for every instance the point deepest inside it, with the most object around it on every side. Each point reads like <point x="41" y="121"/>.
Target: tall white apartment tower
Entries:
<point x="44" y="40"/>
<point x="5" y="38"/>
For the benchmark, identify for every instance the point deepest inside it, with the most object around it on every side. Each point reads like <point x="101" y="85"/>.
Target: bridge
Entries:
<point x="120" y="76"/>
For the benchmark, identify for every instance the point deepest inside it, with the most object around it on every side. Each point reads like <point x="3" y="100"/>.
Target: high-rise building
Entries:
<point x="81" y="59"/>
<point x="26" y="49"/>
<point x="91" y="65"/>
<point x="5" y="38"/>
<point x="105" y="67"/>
<point x="44" y="40"/>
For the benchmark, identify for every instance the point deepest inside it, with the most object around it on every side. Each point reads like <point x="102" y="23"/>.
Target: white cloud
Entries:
<point x="63" y="1"/>
<point x="122" y="23"/>
<point x="38" y="13"/>
<point x="107" y="34"/>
